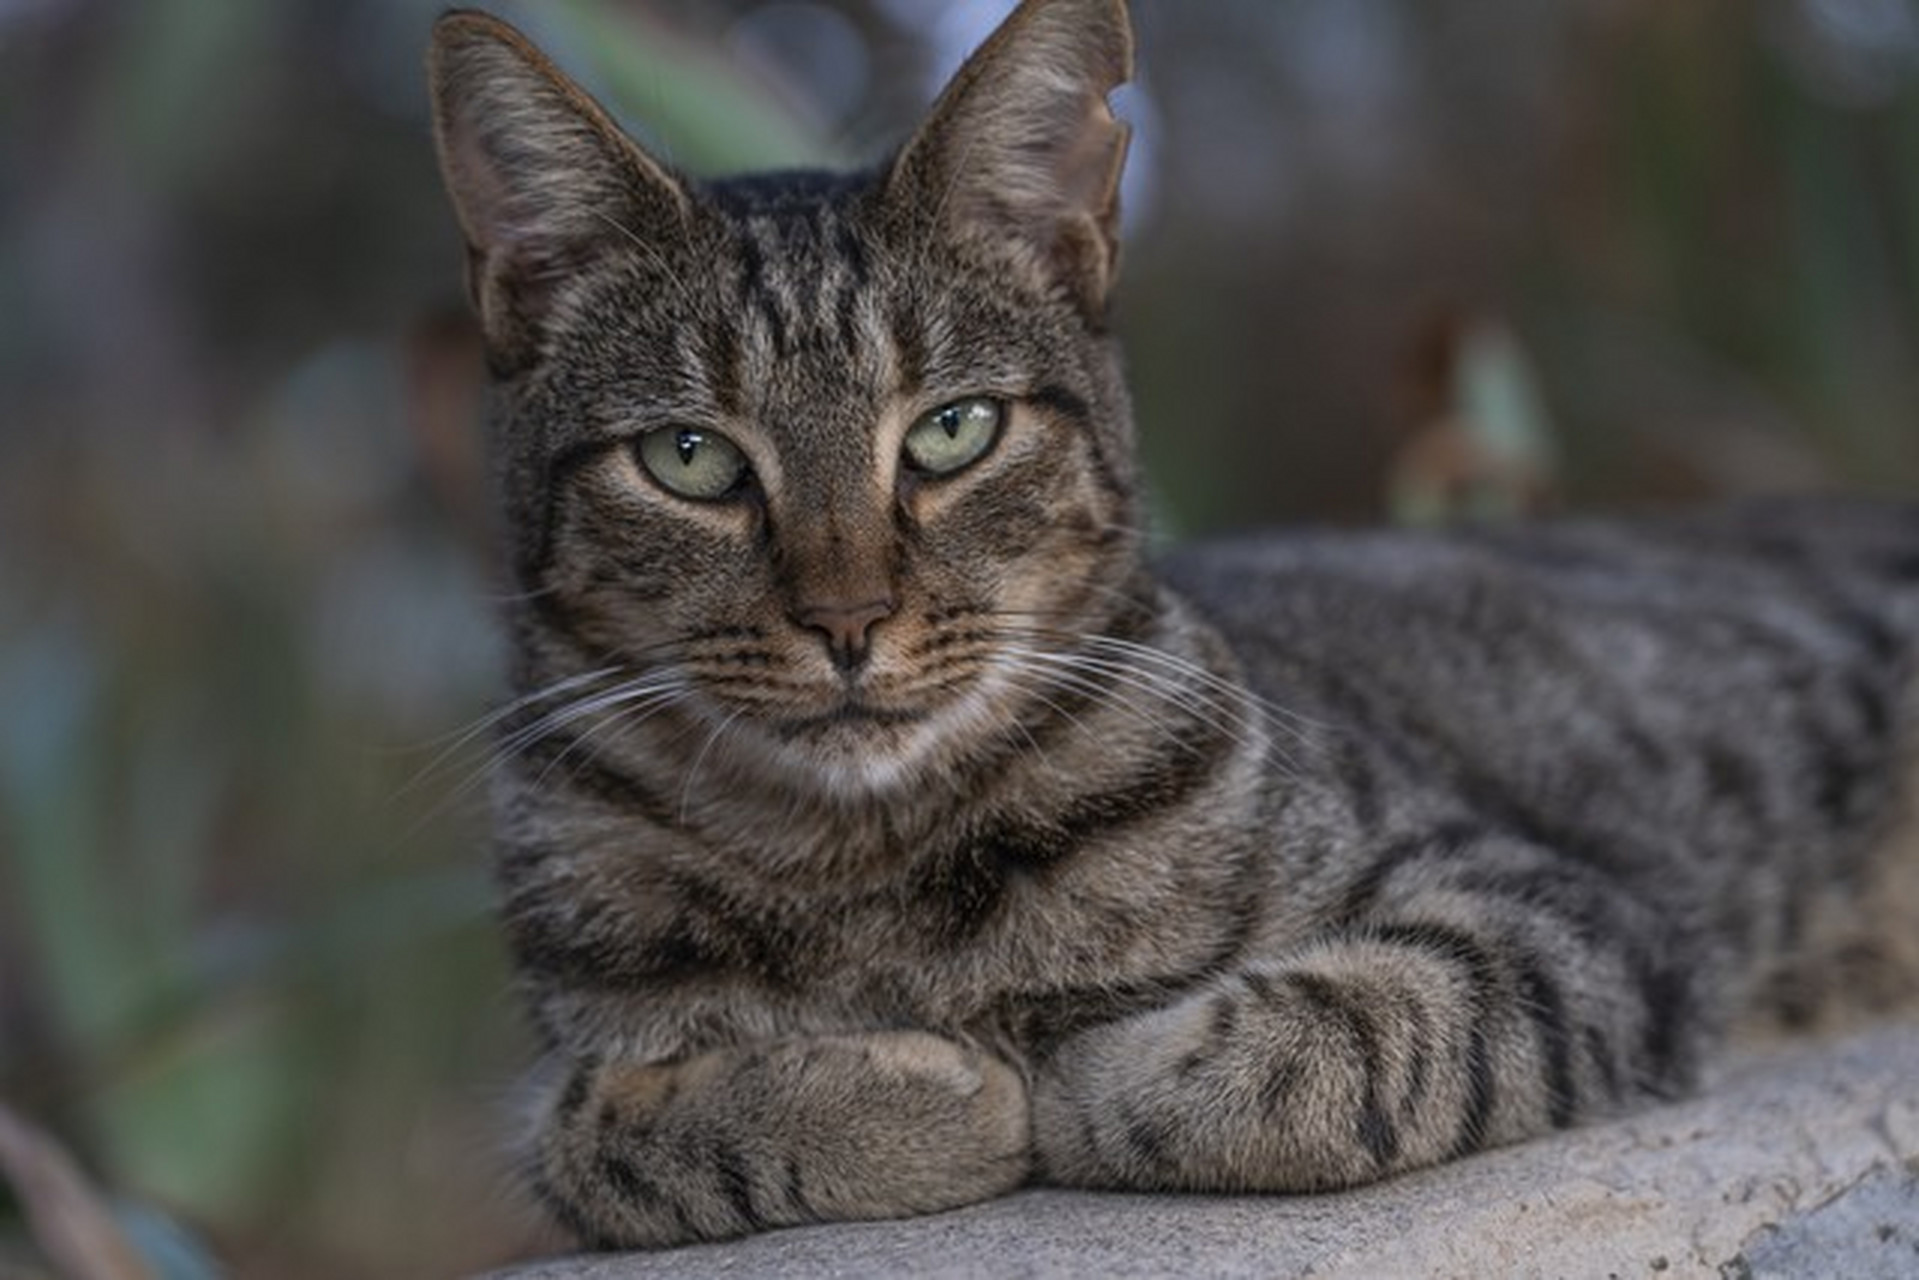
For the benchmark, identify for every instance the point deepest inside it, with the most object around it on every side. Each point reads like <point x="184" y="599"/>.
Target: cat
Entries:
<point x="881" y="827"/>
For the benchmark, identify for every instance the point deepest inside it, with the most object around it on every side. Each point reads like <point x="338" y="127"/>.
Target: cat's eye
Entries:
<point x="702" y="465"/>
<point x="954" y="436"/>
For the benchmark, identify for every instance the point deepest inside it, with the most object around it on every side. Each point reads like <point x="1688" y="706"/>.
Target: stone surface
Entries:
<point x="1797" y="1160"/>
<point x="1872" y="1225"/>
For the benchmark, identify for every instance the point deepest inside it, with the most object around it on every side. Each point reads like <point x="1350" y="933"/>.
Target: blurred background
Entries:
<point x="1387" y="259"/>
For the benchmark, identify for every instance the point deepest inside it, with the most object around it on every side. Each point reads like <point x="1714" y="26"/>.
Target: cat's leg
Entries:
<point x="844" y="1127"/>
<point x="1472" y="997"/>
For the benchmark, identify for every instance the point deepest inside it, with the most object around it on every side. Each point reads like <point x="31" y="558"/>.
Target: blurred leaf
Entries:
<point x="173" y="1252"/>
<point x="1488" y="451"/>
<point x="1500" y="401"/>
<point x="66" y="1215"/>
<point x="50" y="803"/>
<point x="182" y="65"/>
<point x="704" y="109"/>
<point x="200" y="1117"/>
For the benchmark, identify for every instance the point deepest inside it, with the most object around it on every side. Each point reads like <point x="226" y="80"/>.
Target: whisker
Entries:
<point x="652" y="255"/>
<point x="1065" y="670"/>
<point x="519" y="597"/>
<point x="1213" y="680"/>
<point x="1035" y="684"/>
<point x="631" y="691"/>
<point x="693" y="772"/>
<point x="452" y="742"/>
<point x="1151" y="672"/>
<point x="520" y="740"/>
<point x="1160" y="682"/>
<point x="624" y="719"/>
<point x="1246" y="709"/>
<point x="1301" y="729"/>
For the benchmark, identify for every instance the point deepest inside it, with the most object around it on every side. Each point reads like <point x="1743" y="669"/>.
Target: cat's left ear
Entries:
<point x="542" y="180"/>
<point x="1022" y="149"/>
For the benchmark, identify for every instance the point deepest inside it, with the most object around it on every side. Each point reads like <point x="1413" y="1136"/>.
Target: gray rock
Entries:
<point x="1796" y="1160"/>
<point x="1873" y="1226"/>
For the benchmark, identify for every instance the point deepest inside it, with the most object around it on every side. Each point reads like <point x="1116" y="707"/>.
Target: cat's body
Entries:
<point x="880" y="828"/>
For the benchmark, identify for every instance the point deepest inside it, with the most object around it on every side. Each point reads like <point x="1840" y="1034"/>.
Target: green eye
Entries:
<point x="953" y="437"/>
<point x="702" y="465"/>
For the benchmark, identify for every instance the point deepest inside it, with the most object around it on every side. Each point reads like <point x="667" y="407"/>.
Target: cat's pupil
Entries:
<point x="688" y="443"/>
<point x="950" y="422"/>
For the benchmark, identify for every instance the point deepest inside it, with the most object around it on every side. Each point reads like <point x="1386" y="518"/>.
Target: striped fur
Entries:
<point x="872" y="840"/>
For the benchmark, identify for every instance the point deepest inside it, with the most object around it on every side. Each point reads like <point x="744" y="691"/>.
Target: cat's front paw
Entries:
<point x="858" y="1126"/>
<point x="1124" y="1105"/>
<point x="931" y="1124"/>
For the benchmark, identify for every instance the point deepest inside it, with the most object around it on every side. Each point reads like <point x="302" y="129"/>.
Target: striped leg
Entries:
<point x="1481" y="992"/>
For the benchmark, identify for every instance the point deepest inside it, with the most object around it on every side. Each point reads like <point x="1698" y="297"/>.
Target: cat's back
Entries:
<point x="1830" y="580"/>
<point x="1699" y="686"/>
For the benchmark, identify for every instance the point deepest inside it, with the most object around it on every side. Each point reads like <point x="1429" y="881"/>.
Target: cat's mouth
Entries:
<point x="852" y="712"/>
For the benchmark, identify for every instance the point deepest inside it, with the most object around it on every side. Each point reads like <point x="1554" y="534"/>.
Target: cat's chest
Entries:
<point x="991" y="934"/>
<point x="1004" y="915"/>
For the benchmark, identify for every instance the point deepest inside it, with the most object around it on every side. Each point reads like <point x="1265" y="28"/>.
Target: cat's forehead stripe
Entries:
<point x="811" y="322"/>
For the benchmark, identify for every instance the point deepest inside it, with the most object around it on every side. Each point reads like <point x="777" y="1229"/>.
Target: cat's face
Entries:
<point x="828" y="493"/>
<point x="827" y="466"/>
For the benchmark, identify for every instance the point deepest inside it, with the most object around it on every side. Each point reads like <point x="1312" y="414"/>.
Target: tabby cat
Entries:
<point x="880" y="829"/>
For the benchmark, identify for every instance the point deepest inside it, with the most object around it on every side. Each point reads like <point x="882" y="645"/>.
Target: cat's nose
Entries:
<point x="847" y="628"/>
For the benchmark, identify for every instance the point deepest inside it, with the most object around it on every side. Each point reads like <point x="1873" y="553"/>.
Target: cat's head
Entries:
<point x="821" y="460"/>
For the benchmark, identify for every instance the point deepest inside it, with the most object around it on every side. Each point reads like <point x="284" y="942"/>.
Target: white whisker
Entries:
<point x="623" y="720"/>
<point x="652" y="255"/>
<point x="1035" y="684"/>
<point x="693" y="771"/>
<point x="522" y="739"/>
<point x="646" y="686"/>
<point x="1102" y="665"/>
<point x="1230" y="689"/>
<point x="1301" y="730"/>
<point x="451" y="743"/>
<point x="1073" y="672"/>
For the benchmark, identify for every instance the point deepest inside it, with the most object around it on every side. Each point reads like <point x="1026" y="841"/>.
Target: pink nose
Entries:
<point x="846" y="628"/>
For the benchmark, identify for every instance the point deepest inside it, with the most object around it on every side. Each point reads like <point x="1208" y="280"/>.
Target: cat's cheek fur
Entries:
<point x="1053" y="537"/>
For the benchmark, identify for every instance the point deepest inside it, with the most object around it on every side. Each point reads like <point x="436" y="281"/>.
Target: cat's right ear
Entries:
<point x="1023" y="153"/>
<point x="540" y="176"/>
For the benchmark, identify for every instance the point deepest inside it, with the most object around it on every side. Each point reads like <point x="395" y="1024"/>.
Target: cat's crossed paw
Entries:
<point x="918" y="1122"/>
<point x="739" y="1140"/>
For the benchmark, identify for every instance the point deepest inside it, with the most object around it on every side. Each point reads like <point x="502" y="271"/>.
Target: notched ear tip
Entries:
<point x="1023" y="147"/>
<point x="1109" y="167"/>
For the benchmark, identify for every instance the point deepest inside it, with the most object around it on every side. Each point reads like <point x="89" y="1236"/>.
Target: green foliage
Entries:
<point x="697" y="103"/>
<point x="1757" y="252"/>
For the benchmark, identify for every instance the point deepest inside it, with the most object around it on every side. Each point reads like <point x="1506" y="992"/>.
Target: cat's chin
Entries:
<point x="864" y="751"/>
<point x="853" y="752"/>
